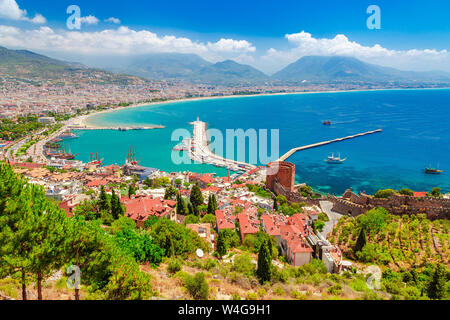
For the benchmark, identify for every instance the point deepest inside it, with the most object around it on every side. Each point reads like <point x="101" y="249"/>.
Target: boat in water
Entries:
<point x="95" y="161"/>
<point x="433" y="171"/>
<point x="335" y="160"/>
<point x="327" y="123"/>
<point x="59" y="153"/>
<point x="68" y="135"/>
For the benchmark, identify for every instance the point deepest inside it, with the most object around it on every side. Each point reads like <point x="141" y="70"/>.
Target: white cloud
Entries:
<point x="113" y="20"/>
<point x="120" y="41"/>
<point x="305" y="44"/>
<point x="89" y="20"/>
<point x="230" y="45"/>
<point x="9" y="9"/>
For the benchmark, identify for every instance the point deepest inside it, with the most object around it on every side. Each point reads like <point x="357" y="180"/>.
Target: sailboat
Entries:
<point x="431" y="170"/>
<point x="335" y="160"/>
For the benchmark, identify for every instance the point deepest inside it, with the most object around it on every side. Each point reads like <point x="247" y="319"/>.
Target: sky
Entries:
<point x="412" y="35"/>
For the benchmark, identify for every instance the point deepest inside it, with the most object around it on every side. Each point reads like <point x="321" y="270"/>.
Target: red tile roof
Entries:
<point x="97" y="183"/>
<point x="292" y="235"/>
<point x="420" y="194"/>
<point x="212" y="189"/>
<point x="141" y="208"/>
<point x="271" y="225"/>
<point x="224" y="221"/>
<point x="248" y="224"/>
<point x="299" y="221"/>
<point x="207" y="178"/>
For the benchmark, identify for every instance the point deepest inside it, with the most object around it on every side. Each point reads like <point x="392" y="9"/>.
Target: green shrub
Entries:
<point x="297" y="295"/>
<point x="243" y="264"/>
<point x="174" y="266"/>
<point x="209" y="264"/>
<point x="278" y="291"/>
<point x="251" y="296"/>
<point x="335" y="289"/>
<point x="235" y="296"/>
<point x="197" y="286"/>
<point x="384" y="194"/>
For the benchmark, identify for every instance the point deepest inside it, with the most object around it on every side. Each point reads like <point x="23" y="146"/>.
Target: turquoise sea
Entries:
<point x="415" y="123"/>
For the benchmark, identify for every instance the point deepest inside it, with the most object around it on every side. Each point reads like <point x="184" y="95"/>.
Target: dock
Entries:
<point x="314" y="145"/>
<point x="120" y="128"/>
<point x="200" y="151"/>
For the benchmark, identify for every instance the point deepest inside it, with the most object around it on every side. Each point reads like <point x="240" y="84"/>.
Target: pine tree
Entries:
<point x="275" y="205"/>
<point x="215" y="207"/>
<point x="196" y="196"/>
<point x="221" y="244"/>
<point x="263" y="272"/>
<point x="191" y="209"/>
<point x="181" y="206"/>
<point x="361" y="241"/>
<point x="269" y="246"/>
<point x="210" y="205"/>
<point x="83" y="241"/>
<point x="116" y="207"/>
<point x="48" y="252"/>
<point x="131" y="190"/>
<point x="437" y="287"/>
<point x="103" y="203"/>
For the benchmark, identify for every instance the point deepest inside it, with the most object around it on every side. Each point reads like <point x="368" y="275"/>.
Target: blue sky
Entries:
<point x="414" y="34"/>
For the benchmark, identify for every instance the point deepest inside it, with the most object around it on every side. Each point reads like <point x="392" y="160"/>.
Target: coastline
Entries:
<point x="84" y="120"/>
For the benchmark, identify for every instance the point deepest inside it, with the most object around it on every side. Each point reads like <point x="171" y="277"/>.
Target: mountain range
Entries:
<point x="194" y="69"/>
<point x="315" y="69"/>
<point x="32" y="67"/>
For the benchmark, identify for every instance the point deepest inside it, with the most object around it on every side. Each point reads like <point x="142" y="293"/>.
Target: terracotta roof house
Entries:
<point x="96" y="183"/>
<point x="271" y="224"/>
<point x="204" y="180"/>
<point x="224" y="220"/>
<point x="140" y="209"/>
<point x="248" y="224"/>
<point x="294" y="246"/>
<point x="300" y="221"/>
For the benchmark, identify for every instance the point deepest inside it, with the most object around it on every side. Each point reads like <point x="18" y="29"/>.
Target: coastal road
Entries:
<point x="334" y="217"/>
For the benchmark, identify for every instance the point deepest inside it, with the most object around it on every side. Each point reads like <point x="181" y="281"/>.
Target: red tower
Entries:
<point x="283" y="172"/>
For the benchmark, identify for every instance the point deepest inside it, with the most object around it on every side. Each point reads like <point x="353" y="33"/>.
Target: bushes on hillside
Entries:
<point x="197" y="286"/>
<point x="176" y="239"/>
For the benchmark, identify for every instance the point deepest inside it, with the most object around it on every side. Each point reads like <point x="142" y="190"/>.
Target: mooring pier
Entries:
<point x="314" y="145"/>
<point x="200" y="151"/>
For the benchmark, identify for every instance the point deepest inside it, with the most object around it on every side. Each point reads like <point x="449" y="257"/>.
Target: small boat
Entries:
<point x="335" y="160"/>
<point x="327" y="123"/>
<point x="67" y="135"/>
<point x="433" y="171"/>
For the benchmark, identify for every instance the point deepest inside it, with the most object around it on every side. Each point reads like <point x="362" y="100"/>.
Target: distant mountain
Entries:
<point x="166" y="65"/>
<point x="192" y="68"/>
<point x="29" y="66"/>
<point x="340" y="68"/>
<point x="230" y="72"/>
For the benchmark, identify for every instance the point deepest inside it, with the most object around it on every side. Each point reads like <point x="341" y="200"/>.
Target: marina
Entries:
<point x="201" y="152"/>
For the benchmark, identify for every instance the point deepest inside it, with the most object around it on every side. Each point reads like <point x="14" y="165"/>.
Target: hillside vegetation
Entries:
<point x="409" y="249"/>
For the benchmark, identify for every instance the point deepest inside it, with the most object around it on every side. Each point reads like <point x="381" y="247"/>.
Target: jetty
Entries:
<point x="119" y="128"/>
<point x="314" y="145"/>
<point x="200" y="151"/>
